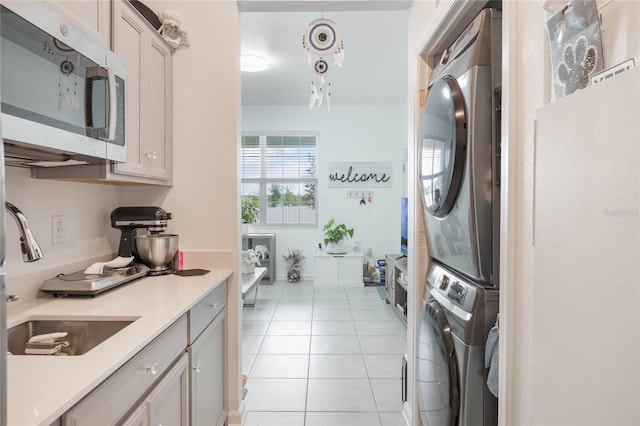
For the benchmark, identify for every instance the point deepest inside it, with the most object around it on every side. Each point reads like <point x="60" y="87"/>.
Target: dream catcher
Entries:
<point x="321" y="39"/>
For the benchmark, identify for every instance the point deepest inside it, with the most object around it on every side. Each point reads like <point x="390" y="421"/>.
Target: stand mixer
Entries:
<point x="154" y="249"/>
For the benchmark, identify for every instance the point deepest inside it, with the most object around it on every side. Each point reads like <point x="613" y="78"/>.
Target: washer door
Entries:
<point x="443" y="146"/>
<point x="436" y="369"/>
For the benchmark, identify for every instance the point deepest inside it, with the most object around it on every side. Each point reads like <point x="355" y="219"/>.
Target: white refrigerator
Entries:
<point x="586" y="304"/>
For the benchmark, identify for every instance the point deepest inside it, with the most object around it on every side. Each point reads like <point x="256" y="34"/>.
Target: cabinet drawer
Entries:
<point x="112" y="399"/>
<point x="206" y="310"/>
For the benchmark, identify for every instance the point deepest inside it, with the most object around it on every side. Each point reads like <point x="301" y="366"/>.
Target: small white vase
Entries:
<point x="338" y="248"/>
<point x="247" y="268"/>
<point x="244" y="228"/>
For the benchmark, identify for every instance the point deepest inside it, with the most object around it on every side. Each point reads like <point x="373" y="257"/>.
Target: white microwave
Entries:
<point x="62" y="91"/>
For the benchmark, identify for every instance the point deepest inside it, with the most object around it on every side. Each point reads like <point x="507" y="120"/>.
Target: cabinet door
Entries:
<point x="140" y="417"/>
<point x="208" y="384"/>
<point x="129" y="40"/>
<point x="93" y="16"/>
<point x="351" y="271"/>
<point x="327" y="271"/>
<point x="158" y="106"/>
<point x="169" y="402"/>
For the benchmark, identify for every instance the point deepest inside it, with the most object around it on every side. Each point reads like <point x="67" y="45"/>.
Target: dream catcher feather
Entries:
<point x="322" y="39"/>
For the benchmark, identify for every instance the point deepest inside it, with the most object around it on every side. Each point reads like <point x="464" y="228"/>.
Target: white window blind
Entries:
<point x="279" y="172"/>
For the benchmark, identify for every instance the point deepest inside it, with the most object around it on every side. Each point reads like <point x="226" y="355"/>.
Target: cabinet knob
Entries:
<point x="213" y="305"/>
<point x="153" y="369"/>
<point x="197" y="367"/>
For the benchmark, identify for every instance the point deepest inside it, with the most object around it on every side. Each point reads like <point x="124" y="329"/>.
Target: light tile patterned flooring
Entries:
<point x="322" y="357"/>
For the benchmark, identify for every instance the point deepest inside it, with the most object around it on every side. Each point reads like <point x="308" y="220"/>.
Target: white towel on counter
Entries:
<point x="98" y="267"/>
<point x="491" y="359"/>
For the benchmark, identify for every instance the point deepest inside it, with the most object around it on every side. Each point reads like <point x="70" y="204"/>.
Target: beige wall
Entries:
<point x="526" y="72"/>
<point x="422" y="13"/>
<point x="204" y="197"/>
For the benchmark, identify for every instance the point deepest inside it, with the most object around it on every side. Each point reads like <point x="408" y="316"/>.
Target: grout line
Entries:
<point x="313" y="310"/>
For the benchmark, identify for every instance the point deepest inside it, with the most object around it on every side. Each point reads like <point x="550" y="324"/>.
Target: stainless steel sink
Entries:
<point x="83" y="335"/>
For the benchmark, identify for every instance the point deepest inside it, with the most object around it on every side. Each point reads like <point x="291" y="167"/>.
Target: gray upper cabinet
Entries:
<point x="149" y="95"/>
<point x="148" y="105"/>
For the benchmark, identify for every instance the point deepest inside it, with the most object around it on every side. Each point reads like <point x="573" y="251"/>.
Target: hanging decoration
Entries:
<point x="321" y="39"/>
<point x="172" y="29"/>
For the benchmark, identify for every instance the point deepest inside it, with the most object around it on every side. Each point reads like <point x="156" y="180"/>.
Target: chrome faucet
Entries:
<point x="30" y="249"/>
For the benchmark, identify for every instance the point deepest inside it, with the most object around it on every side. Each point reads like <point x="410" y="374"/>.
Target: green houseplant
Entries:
<point x="334" y="235"/>
<point x="250" y="210"/>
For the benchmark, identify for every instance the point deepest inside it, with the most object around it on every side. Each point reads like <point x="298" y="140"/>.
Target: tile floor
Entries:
<point x="322" y="357"/>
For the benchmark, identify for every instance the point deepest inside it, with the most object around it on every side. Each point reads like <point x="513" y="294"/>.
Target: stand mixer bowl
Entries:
<point x="156" y="251"/>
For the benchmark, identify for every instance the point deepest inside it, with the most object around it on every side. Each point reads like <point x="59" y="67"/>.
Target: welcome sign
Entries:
<point x="360" y="174"/>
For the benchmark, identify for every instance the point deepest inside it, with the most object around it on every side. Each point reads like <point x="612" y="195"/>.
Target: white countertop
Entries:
<point x="41" y="388"/>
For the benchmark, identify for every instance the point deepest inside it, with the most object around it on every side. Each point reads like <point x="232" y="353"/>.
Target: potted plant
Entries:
<point x="334" y="235"/>
<point x="250" y="212"/>
<point x="249" y="261"/>
<point x="293" y="261"/>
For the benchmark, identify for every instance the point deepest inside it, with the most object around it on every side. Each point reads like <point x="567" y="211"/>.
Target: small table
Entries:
<point x="250" y="282"/>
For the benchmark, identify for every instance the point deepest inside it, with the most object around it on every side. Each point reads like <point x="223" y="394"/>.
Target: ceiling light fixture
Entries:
<point x="253" y="63"/>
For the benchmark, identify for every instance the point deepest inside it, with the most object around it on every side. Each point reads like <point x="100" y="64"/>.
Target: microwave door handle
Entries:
<point x="113" y="106"/>
<point x="101" y="73"/>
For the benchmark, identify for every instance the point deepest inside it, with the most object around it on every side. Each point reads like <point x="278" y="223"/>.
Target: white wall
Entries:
<point x="347" y="133"/>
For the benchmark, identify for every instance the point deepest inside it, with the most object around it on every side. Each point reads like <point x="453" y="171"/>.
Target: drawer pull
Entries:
<point x="197" y="368"/>
<point x="214" y="305"/>
<point x="153" y="369"/>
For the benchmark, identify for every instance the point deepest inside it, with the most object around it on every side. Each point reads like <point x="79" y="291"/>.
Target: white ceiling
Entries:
<point x="375" y="44"/>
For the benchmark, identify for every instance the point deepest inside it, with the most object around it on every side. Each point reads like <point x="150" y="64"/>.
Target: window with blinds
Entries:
<point x="279" y="174"/>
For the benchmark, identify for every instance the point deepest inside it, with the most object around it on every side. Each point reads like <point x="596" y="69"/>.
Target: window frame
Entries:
<point x="264" y="182"/>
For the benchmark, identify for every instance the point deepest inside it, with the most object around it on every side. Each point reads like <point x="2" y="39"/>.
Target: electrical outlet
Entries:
<point x="57" y="229"/>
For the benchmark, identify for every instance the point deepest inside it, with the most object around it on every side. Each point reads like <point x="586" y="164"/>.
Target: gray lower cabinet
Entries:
<point x="114" y="399"/>
<point x="178" y="379"/>
<point x="207" y="358"/>
<point x="168" y="403"/>
<point x="208" y="405"/>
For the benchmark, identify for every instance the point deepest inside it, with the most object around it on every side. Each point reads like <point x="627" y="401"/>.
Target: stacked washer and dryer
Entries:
<point x="459" y="173"/>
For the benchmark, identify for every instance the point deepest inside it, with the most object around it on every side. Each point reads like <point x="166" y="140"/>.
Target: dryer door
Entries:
<point x="443" y="145"/>
<point x="436" y="369"/>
